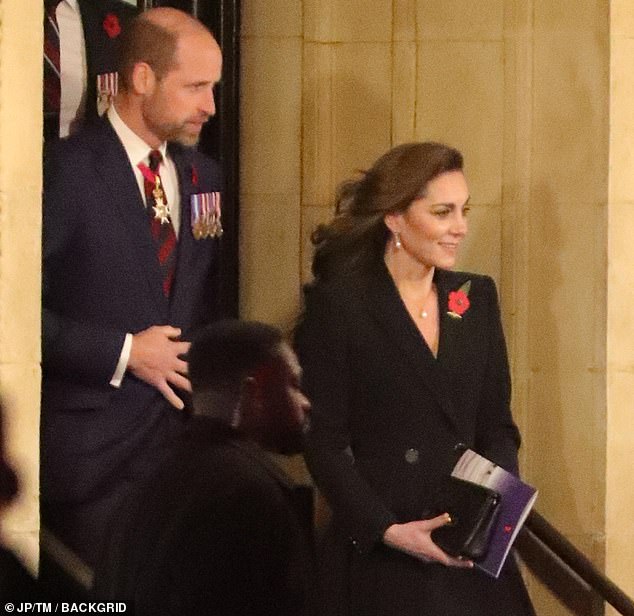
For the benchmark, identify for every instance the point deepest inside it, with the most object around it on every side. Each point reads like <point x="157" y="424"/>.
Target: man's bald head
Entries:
<point x="153" y="38"/>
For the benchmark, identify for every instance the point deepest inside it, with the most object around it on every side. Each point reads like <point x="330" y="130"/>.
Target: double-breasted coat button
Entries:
<point x="412" y="456"/>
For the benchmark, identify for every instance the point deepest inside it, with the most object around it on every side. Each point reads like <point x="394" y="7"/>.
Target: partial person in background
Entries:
<point x="404" y="359"/>
<point x="16" y="582"/>
<point x="220" y="529"/>
<point x="131" y="250"/>
<point x="80" y="49"/>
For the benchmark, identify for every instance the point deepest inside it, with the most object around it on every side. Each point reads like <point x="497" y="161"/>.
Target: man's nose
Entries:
<point x="208" y="104"/>
<point x="306" y="405"/>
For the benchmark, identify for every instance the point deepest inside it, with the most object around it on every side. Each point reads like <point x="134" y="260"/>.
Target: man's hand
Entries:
<point x="414" y="538"/>
<point x="154" y="358"/>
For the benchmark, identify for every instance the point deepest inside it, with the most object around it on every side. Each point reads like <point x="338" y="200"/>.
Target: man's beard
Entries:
<point x="181" y="132"/>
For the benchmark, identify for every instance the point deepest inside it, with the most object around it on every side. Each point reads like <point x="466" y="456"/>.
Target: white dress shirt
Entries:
<point x="138" y="151"/>
<point x="72" y="60"/>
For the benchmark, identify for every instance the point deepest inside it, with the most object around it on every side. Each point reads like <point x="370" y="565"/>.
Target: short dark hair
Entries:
<point x="142" y="40"/>
<point x="357" y="235"/>
<point x="224" y="353"/>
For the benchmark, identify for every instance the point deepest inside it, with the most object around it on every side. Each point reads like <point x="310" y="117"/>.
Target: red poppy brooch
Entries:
<point x="458" y="302"/>
<point x="111" y="25"/>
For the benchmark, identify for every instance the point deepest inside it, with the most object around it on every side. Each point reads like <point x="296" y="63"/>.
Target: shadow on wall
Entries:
<point x="555" y="390"/>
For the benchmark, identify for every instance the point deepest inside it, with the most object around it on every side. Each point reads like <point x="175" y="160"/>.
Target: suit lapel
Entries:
<point x="183" y="161"/>
<point x="390" y="313"/>
<point x="118" y="178"/>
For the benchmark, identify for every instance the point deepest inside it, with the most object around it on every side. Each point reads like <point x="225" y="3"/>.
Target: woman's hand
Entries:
<point x="414" y="538"/>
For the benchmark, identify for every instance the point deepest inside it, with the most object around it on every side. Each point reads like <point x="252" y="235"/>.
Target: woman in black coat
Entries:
<point x="403" y="361"/>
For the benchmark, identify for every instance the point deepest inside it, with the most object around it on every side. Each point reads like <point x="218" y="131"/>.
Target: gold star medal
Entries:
<point x="161" y="207"/>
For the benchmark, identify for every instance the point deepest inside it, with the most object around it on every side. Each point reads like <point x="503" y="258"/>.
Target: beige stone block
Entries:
<point x="460" y="20"/>
<point x="317" y="185"/>
<point x="480" y="251"/>
<point x="620" y="497"/>
<point x="571" y="116"/>
<point x="347" y="126"/>
<point x="619" y="561"/>
<point x="280" y="18"/>
<point x="620" y="438"/>
<point x="621" y="18"/>
<point x="460" y="101"/>
<point x="404" y="28"/>
<point x="20" y="183"/>
<point x="270" y="116"/>
<point x="570" y="17"/>
<point x="403" y="92"/>
<point x="622" y="121"/>
<point x="311" y="218"/>
<point x="347" y="21"/>
<point x="20" y="279"/>
<point x="567" y="273"/>
<point x="568" y="461"/>
<point x="566" y="390"/>
<point x="620" y="342"/>
<point x="269" y="258"/>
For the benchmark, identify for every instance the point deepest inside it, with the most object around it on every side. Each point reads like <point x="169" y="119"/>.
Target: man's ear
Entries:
<point x="143" y="78"/>
<point x="251" y="391"/>
<point x="251" y="403"/>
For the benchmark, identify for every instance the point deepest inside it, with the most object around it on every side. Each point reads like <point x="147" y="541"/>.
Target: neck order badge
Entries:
<point x="160" y="221"/>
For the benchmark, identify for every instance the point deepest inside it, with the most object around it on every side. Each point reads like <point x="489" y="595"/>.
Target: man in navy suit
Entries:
<point x="88" y="34"/>
<point x="131" y="244"/>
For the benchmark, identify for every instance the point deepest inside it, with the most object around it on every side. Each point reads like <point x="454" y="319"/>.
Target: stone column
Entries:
<point x="20" y="233"/>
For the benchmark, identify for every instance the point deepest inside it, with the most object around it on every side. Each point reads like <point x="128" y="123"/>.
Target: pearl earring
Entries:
<point x="397" y="241"/>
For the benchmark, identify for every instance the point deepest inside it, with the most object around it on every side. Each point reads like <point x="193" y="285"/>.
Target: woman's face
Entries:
<point x="432" y="228"/>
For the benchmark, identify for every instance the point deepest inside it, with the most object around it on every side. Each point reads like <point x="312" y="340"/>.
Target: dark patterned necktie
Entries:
<point x="162" y="232"/>
<point x="52" y="85"/>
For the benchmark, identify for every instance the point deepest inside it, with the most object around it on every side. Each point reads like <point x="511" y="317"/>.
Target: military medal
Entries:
<point x="107" y="87"/>
<point x="205" y="215"/>
<point x="161" y="208"/>
<point x="215" y="229"/>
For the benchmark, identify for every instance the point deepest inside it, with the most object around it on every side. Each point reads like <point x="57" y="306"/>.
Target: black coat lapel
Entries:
<point x="390" y="313"/>
<point x="117" y="176"/>
<point x="452" y="344"/>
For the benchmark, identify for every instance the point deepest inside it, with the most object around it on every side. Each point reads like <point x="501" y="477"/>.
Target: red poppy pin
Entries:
<point x="194" y="176"/>
<point x="111" y="25"/>
<point x="459" y="301"/>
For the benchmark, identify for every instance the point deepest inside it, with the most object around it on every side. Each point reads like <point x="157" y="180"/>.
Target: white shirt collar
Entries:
<point x="136" y="149"/>
<point x="73" y="4"/>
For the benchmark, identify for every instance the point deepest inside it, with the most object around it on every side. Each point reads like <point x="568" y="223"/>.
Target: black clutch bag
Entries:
<point x="473" y="510"/>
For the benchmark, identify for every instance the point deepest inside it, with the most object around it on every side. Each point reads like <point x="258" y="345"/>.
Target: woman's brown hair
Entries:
<point x="356" y="237"/>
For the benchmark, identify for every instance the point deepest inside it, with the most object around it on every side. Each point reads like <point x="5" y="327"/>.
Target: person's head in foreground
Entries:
<point x="245" y="375"/>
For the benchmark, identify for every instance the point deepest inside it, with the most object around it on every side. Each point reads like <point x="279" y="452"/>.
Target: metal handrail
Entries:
<point x="540" y="528"/>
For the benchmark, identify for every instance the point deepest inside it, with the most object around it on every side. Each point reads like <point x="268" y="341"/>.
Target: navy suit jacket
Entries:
<point x="101" y="279"/>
